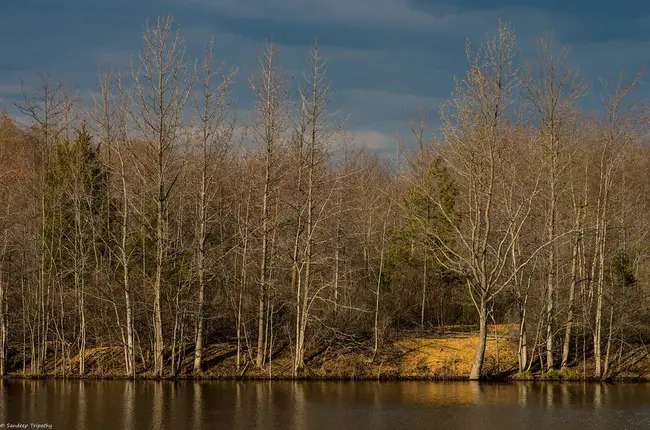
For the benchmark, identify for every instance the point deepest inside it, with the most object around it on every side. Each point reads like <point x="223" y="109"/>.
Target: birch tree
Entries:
<point x="316" y="133"/>
<point x="269" y="124"/>
<point x="623" y="124"/>
<point x="46" y="108"/>
<point x="214" y="108"/>
<point x="162" y="88"/>
<point x="476" y="142"/>
<point x="110" y="120"/>
<point x="553" y="90"/>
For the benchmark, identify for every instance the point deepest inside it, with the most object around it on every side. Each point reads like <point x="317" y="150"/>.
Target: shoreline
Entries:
<point x="442" y="357"/>
<point x="200" y="378"/>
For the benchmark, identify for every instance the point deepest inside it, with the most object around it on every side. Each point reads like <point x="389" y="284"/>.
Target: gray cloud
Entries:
<point x="387" y="56"/>
<point x="360" y="12"/>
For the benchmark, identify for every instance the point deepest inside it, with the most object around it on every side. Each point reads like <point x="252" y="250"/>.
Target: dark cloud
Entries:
<point x="388" y="57"/>
<point x="599" y="10"/>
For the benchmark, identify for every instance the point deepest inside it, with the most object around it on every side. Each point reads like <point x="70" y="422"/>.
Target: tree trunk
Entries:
<point x="609" y="343"/>
<point x="243" y="281"/>
<point x="263" y="265"/>
<point x="477" y="365"/>
<point x="296" y="275"/>
<point x="601" y="284"/>
<point x="599" y="307"/>
<point x="523" y="342"/>
<point x="300" y="346"/>
<point x="424" y="290"/>
<point x="3" y="328"/>
<point x="124" y="257"/>
<point x="269" y="92"/>
<point x="160" y="259"/>
<point x="550" y="291"/>
<point x="198" y="351"/>
<point x="569" y="320"/>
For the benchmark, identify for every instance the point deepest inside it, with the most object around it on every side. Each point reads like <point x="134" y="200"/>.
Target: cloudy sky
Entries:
<point x="388" y="57"/>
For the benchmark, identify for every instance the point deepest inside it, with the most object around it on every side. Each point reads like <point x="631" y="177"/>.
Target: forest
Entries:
<point x="156" y="219"/>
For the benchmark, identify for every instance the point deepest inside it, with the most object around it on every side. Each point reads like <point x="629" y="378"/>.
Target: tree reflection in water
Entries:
<point x="202" y="405"/>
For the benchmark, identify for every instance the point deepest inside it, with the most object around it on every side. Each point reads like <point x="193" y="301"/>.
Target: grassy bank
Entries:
<point x="446" y="355"/>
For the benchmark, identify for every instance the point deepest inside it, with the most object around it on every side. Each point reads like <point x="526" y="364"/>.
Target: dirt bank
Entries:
<point x="446" y="354"/>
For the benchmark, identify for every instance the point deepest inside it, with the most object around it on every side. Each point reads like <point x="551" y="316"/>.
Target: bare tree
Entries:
<point x="477" y="140"/>
<point x="111" y="125"/>
<point x="553" y="91"/>
<point x="269" y="125"/>
<point x="315" y="132"/>
<point x="163" y="84"/>
<point x="46" y="108"/>
<point x="214" y="108"/>
<point x="624" y="123"/>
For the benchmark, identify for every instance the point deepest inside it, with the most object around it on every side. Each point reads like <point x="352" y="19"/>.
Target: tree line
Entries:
<point x="155" y="219"/>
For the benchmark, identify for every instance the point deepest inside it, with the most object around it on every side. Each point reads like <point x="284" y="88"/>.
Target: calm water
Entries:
<point x="322" y="405"/>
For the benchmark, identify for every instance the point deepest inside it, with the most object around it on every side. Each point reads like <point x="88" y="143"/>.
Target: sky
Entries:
<point x="388" y="58"/>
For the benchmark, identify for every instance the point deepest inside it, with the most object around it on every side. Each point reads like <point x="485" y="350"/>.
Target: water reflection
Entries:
<point x="299" y="419"/>
<point x="197" y="402"/>
<point x="522" y="394"/>
<point x="3" y="399"/>
<point x="87" y="404"/>
<point x="128" y="408"/>
<point x="157" y="421"/>
<point x="598" y="396"/>
<point x="82" y="402"/>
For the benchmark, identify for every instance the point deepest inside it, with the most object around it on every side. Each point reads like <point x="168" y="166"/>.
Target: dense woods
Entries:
<point x="156" y="219"/>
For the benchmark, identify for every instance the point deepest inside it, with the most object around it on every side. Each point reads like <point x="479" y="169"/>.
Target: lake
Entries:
<point x="89" y="404"/>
